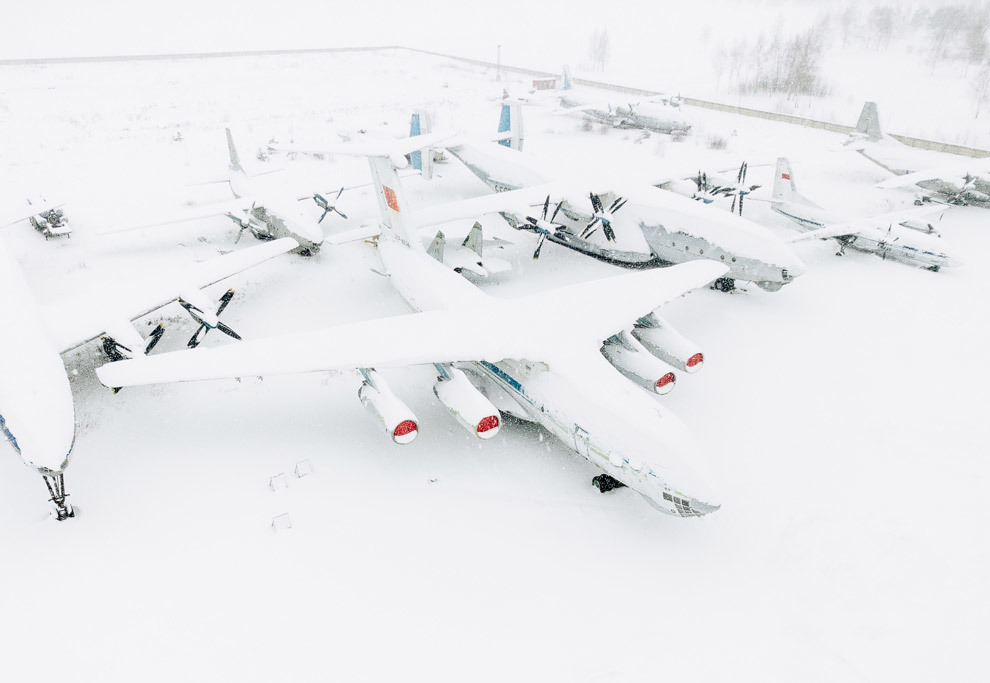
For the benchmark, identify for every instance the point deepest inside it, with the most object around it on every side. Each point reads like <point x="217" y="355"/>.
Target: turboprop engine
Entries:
<point x="394" y="415"/>
<point x="667" y="344"/>
<point x="635" y="363"/>
<point x="469" y="406"/>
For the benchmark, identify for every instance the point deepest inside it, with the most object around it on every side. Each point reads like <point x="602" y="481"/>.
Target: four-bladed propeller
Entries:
<point x="543" y="226"/>
<point x="193" y="311"/>
<point x="603" y="216"/>
<point x="328" y="206"/>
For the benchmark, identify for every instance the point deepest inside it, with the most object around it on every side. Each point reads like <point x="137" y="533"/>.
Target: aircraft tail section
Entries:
<point x="422" y="124"/>
<point x="510" y="126"/>
<point x="235" y="160"/>
<point x="869" y="121"/>
<point x="784" y="188"/>
<point x="392" y="204"/>
<point x="566" y="81"/>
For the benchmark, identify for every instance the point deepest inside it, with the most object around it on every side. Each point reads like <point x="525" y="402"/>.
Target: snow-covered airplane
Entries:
<point x="47" y="218"/>
<point x="708" y="187"/>
<point x="655" y="114"/>
<point x="900" y="235"/>
<point x="963" y="182"/>
<point x="537" y="357"/>
<point x="37" y="417"/>
<point x="656" y="228"/>
<point x="265" y="214"/>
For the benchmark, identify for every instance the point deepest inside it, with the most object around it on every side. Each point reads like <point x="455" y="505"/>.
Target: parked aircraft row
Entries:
<point x="574" y="371"/>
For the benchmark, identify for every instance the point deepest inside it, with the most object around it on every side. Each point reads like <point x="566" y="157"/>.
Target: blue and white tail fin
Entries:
<point x="392" y="204"/>
<point x="510" y="126"/>
<point x="422" y="160"/>
<point x="869" y="121"/>
<point x="566" y="81"/>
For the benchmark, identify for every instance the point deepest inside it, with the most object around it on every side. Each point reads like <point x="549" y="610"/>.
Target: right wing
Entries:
<point x="956" y="170"/>
<point x="542" y="326"/>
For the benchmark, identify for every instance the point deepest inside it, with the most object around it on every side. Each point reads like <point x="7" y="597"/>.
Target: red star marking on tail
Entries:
<point x="391" y="199"/>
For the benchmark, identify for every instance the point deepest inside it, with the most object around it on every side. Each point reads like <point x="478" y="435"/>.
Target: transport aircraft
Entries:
<point x="659" y="115"/>
<point x="965" y="182"/>
<point x="266" y="215"/>
<point x="655" y="228"/>
<point x="901" y="235"/>
<point x="538" y="357"/>
<point x="37" y="417"/>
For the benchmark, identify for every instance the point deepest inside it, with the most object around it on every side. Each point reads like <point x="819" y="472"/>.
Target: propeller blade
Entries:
<point x="539" y="245"/>
<point x="741" y="196"/>
<point x="732" y="209"/>
<point x="194" y="340"/>
<point x="325" y="212"/>
<point x="224" y="300"/>
<point x="559" y="204"/>
<point x="340" y="213"/>
<point x="227" y="331"/>
<point x="624" y="201"/>
<point x="607" y="229"/>
<point x="154" y="337"/>
<point x="546" y="206"/>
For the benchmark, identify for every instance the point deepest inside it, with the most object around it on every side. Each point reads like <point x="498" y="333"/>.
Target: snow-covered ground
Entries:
<point x="843" y="416"/>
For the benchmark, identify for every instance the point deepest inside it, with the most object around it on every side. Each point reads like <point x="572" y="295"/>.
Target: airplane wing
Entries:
<point x="524" y="201"/>
<point x="20" y="214"/>
<point x="74" y="320"/>
<point x="833" y="230"/>
<point x="234" y="206"/>
<point x="958" y="170"/>
<point x="396" y="150"/>
<point x="541" y="326"/>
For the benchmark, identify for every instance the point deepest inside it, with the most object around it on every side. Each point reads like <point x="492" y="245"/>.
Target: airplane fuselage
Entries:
<point x="675" y="228"/>
<point x="274" y="217"/>
<point x="891" y="242"/>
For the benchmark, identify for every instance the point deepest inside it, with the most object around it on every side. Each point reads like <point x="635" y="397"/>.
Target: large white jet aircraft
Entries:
<point x="963" y="182"/>
<point x="37" y="418"/>
<point x="901" y="235"/>
<point x="654" y="114"/>
<point x="655" y="228"/>
<point x="536" y="357"/>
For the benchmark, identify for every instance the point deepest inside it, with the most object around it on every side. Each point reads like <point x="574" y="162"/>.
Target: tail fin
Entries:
<point x="422" y="124"/>
<point x="784" y="189"/>
<point x="392" y="202"/>
<point x="475" y="239"/>
<point x="510" y="126"/>
<point x="566" y="79"/>
<point x="869" y="121"/>
<point x="235" y="160"/>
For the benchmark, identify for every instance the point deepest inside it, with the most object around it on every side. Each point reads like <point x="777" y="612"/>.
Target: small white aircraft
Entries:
<point x="37" y="417"/>
<point x="536" y="357"/>
<point x="265" y="214"/>
<point x="656" y="228"/>
<point x="965" y="182"/>
<point x="900" y="235"/>
<point x="657" y="114"/>
<point x="48" y="219"/>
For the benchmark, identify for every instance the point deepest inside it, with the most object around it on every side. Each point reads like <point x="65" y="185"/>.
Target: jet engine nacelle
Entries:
<point x="394" y="415"/>
<point x="469" y="406"/>
<point x="636" y="364"/>
<point x="667" y="344"/>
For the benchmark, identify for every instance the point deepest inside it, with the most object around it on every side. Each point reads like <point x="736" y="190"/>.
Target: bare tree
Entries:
<point x="599" y="48"/>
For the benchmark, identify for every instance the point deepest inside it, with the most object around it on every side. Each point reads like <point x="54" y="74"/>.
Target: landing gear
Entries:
<point x="56" y="487"/>
<point x="934" y="269"/>
<point x="724" y="284"/>
<point x="605" y="483"/>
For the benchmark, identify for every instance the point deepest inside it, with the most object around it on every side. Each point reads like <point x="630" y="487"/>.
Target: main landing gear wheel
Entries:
<point x="56" y="487"/>
<point x="605" y="483"/>
<point x="724" y="284"/>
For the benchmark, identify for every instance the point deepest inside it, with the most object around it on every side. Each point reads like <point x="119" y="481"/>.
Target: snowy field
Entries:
<point x="843" y="416"/>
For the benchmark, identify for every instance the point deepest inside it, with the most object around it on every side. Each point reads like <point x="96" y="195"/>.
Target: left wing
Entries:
<point x="544" y="326"/>
<point x="74" y="320"/>
<point x="957" y="170"/>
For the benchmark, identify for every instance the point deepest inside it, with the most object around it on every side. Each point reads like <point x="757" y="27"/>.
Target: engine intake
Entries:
<point x="466" y="404"/>
<point x="643" y="369"/>
<point x="392" y="414"/>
